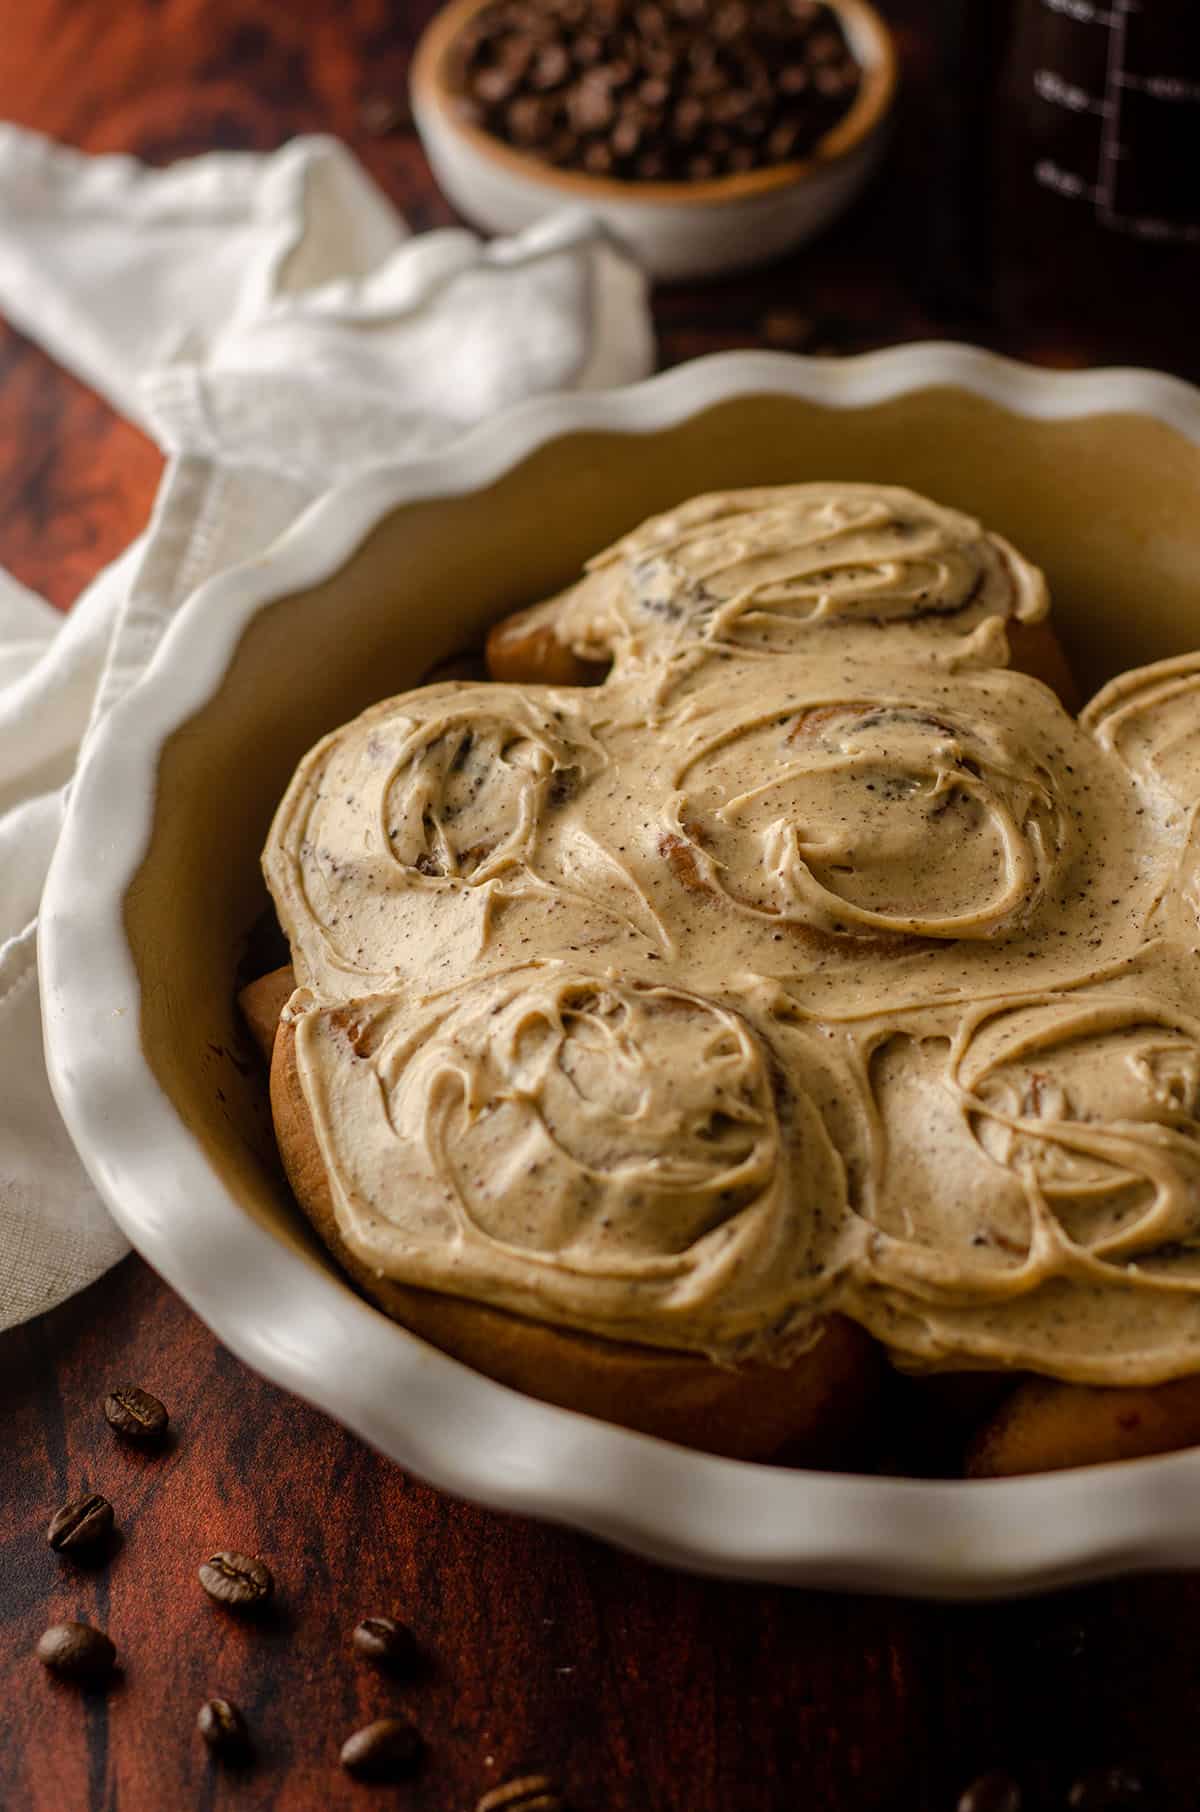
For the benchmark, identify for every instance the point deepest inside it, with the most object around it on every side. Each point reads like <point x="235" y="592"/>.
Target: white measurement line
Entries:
<point x="1064" y="182"/>
<point x="1162" y="88"/>
<point x="1164" y="232"/>
<point x="1052" y="87"/>
<point x="1110" y="142"/>
<point x="1085" y="12"/>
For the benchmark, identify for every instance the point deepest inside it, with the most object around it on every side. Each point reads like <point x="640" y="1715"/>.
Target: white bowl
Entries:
<point x="676" y="229"/>
<point x="156" y="881"/>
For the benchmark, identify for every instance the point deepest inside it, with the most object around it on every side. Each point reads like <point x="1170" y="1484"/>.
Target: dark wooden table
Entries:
<point x="640" y="1690"/>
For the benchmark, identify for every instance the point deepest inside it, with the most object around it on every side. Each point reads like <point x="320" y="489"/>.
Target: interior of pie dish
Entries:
<point x="1104" y="503"/>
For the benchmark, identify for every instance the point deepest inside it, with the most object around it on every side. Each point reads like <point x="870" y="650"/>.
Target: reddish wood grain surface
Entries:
<point x="642" y="1691"/>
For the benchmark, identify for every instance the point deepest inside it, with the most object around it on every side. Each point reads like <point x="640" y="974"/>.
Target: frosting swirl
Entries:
<point x="763" y="570"/>
<point x="874" y="815"/>
<point x="731" y="992"/>
<point x="610" y="1151"/>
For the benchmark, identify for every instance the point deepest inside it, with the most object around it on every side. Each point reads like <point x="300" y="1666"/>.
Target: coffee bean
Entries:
<point x="786" y="328"/>
<point x="1109" y="1790"/>
<point x="223" y="1728"/>
<point x="598" y="160"/>
<point x="81" y="1526"/>
<point x="237" y="1580"/>
<point x="381" y="115"/>
<point x="135" y="1415"/>
<point x="657" y="90"/>
<point x="531" y="1793"/>
<point x="77" y="1652"/>
<point x="530" y="120"/>
<point x="552" y="67"/>
<point x="590" y="106"/>
<point x="383" y="1751"/>
<point x="387" y="1642"/>
<point x="626" y="137"/>
<point x="996" y="1792"/>
<point x="835" y="81"/>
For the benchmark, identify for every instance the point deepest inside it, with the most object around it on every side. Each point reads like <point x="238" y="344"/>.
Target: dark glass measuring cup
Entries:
<point x="1092" y="186"/>
<point x="1111" y="93"/>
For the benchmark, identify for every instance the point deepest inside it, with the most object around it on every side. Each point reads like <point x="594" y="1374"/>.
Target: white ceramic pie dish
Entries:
<point x="156" y="882"/>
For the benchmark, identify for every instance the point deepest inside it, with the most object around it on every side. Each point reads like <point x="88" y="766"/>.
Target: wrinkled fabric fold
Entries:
<point x="270" y="321"/>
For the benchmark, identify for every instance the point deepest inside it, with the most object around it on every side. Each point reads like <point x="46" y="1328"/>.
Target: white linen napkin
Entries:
<point x="270" y="322"/>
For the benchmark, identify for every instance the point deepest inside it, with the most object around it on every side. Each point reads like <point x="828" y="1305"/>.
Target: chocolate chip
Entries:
<point x="77" y="1652"/>
<point x="223" y="1728"/>
<point x="387" y="1642"/>
<point x="82" y="1526"/>
<point x="386" y="1750"/>
<point x="1109" y="1790"/>
<point x="136" y="1416"/>
<point x="237" y="1580"/>
<point x="997" y="1792"/>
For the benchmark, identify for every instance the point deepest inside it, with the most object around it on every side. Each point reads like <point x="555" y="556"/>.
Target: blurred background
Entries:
<point x="1039" y="194"/>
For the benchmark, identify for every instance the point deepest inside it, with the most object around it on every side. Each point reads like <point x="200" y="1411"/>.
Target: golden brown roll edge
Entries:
<point x="815" y="1407"/>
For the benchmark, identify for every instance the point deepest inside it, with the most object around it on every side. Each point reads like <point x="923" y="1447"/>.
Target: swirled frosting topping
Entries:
<point x="693" y="1006"/>
<point x="765" y="570"/>
<point x="877" y="815"/>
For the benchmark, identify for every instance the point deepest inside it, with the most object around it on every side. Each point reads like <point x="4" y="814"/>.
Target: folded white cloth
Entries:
<point x="271" y="323"/>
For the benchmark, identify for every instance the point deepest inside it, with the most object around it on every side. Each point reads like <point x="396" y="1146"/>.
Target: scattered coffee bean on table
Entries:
<point x="996" y="1792"/>
<point x="387" y="1642"/>
<point x="81" y="1526"/>
<point x="223" y="1728"/>
<point x="1109" y="1790"/>
<point x="786" y="328"/>
<point x="136" y="1416"/>
<point x="531" y="1793"/>
<point x="237" y="1580"/>
<point x="386" y="1750"/>
<point x="77" y="1652"/>
<point x="381" y="115"/>
<point x="655" y="90"/>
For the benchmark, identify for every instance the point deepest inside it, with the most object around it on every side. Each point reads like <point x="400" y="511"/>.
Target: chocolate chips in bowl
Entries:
<point x="708" y="134"/>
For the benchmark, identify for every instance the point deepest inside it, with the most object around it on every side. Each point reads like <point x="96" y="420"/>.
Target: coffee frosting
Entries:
<point x="816" y="960"/>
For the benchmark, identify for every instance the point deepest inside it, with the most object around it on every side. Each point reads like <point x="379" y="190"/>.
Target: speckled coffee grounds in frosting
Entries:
<point x="656" y="90"/>
<point x="815" y="961"/>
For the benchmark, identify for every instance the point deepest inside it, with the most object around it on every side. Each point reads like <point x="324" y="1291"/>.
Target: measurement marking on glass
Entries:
<point x="1082" y="11"/>
<point x="1110" y="143"/>
<point x="1162" y="88"/>
<point x="1058" y="90"/>
<point x="1051" y="87"/>
<point x="1063" y="182"/>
